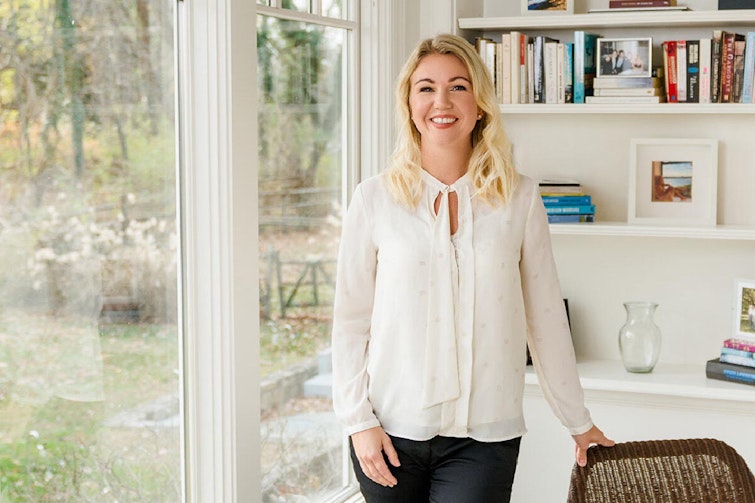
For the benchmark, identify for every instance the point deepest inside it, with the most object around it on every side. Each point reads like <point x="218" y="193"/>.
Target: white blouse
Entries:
<point x="430" y="330"/>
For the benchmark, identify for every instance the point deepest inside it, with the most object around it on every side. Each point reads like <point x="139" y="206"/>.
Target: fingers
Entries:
<point x="369" y="446"/>
<point x="585" y="440"/>
<point x="580" y="454"/>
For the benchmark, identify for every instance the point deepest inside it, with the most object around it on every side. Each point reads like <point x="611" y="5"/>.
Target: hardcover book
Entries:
<point x="749" y="68"/>
<point x="737" y="81"/>
<point x="669" y="61"/>
<point x="623" y="99"/>
<point x="582" y="209"/>
<point x="705" y="70"/>
<point x="622" y="82"/>
<point x="566" y="200"/>
<point x="621" y="4"/>
<point x="715" y="67"/>
<point x="636" y="91"/>
<point x="681" y="71"/>
<point x="716" y="369"/>
<point x="693" y="71"/>
<point x="740" y="344"/>
<point x="727" y="65"/>
<point x="571" y="219"/>
<point x="745" y="361"/>
<point x="568" y="72"/>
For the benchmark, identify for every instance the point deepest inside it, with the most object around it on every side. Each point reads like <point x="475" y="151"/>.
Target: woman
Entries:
<point x="445" y="273"/>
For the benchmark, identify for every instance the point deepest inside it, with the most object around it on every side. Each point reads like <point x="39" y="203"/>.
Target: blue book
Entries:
<point x="566" y="200"/>
<point x="569" y="72"/>
<point x="565" y="210"/>
<point x="737" y="352"/>
<point x="570" y="219"/>
<point x="585" y="45"/>
<point x="749" y="73"/>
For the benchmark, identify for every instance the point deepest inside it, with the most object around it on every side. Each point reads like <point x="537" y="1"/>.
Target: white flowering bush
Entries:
<point x="76" y="262"/>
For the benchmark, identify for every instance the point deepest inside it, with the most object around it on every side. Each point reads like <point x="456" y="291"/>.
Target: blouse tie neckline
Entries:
<point x="441" y="372"/>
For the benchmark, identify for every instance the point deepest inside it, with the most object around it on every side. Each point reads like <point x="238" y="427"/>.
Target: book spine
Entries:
<point x="681" y="71"/>
<point x="739" y="344"/>
<point x="749" y="68"/>
<point x="529" y="92"/>
<point x="619" y="4"/>
<point x="523" y="74"/>
<point x="560" y="73"/>
<point x="639" y="91"/>
<point x="623" y="99"/>
<point x="669" y="58"/>
<point x="737" y="81"/>
<point x="506" y="68"/>
<point x="716" y="369"/>
<point x="693" y="71"/>
<point x="738" y="352"/>
<point x="538" y="70"/>
<point x="727" y="67"/>
<point x="578" y="210"/>
<point x="550" y="72"/>
<point x="715" y="67"/>
<point x="705" y="70"/>
<point x="744" y="361"/>
<point x="567" y="200"/>
<point x="584" y="64"/>
<point x="570" y="219"/>
<point x="569" y="72"/>
<point x="515" y="47"/>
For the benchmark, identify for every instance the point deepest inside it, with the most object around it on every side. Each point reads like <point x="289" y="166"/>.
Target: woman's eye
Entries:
<point x="459" y="88"/>
<point x="425" y="89"/>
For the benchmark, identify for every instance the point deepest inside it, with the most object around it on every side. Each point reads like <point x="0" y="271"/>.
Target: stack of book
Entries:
<point x="566" y="202"/>
<point x="610" y="89"/>
<point x="736" y="363"/>
<point x="629" y="5"/>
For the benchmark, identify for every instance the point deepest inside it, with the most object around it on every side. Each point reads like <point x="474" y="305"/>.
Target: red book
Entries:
<point x="669" y="61"/>
<point x="627" y="4"/>
<point x="740" y="344"/>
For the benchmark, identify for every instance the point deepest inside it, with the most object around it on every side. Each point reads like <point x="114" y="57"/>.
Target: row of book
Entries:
<point x="566" y="202"/>
<point x="720" y="69"/>
<point x="540" y="69"/>
<point x="736" y="363"/>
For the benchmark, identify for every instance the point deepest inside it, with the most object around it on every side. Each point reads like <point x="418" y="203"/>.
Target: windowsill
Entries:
<point x="673" y="380"/>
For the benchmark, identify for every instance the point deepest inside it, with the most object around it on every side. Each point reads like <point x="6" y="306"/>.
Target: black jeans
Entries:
<point x="446" y="470"/>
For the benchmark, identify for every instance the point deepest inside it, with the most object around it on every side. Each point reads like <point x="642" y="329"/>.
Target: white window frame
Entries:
<point x="216" y="56"/>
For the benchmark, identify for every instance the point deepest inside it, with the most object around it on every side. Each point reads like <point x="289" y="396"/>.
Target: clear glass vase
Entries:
<point x="640" y="337"/>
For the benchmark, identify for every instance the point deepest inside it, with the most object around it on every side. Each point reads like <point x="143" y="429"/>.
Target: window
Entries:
<point x="89" y="337"/>
<point x="306" y="81"/>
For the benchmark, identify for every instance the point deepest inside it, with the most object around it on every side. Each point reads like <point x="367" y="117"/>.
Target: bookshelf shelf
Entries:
<point x="660" y="109"/>
<point x="672" y="380"/>
<point x="664" y="19"/>
<point x="732" y="232"/>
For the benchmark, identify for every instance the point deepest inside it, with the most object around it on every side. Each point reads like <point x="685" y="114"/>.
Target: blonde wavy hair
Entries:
<point x="490" y="164"/>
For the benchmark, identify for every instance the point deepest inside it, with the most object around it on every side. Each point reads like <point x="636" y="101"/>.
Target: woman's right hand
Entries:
<point x="369" y="446"/>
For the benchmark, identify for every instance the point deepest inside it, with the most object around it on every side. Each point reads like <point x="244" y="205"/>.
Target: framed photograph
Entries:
<point x="625" y="57"/>
<point x="744" y="309"/>
<point x="673" y="181"/>
<point x="547" y="7"/>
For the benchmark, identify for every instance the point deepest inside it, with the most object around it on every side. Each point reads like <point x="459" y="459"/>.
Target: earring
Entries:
<point x="479" y="116"/>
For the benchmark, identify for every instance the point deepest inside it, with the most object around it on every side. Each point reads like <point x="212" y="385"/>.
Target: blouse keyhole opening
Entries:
<point x="453" y="209"/>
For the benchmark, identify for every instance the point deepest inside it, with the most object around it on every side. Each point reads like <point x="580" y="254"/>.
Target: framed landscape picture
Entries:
<point x="673" y="181"/>
<point x="547" y="7"/>
<point x="625" y="57"/>
<point x="744" y="309"/>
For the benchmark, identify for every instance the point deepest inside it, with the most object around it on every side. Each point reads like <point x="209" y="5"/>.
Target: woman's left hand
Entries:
<point x="585" y="440"/>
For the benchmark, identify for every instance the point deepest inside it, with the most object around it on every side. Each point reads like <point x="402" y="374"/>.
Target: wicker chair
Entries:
<point x="663" y="471"/>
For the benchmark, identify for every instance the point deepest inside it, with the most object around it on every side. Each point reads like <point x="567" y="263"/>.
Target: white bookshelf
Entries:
<point x="635" y="109"/>
<point x="729" y="232"/>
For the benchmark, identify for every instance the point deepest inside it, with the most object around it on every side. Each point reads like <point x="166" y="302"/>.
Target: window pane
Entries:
<point x="332" y="8"/>
<point x="301" y="151"/>
<point x="88" y="297"/>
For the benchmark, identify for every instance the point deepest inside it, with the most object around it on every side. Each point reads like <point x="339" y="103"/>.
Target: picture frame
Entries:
<point x="547" y="7"/>
<point x="744" y="309"/>
<point x="673" y="181"/>
<point x="624" y="57"/>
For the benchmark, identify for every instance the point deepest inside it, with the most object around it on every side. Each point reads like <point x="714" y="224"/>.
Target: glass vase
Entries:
<point x="640" y="337"/>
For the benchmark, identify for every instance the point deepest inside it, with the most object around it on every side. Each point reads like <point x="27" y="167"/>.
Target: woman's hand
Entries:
<point x="369" y="446"/>
<point x="585" y="440"/>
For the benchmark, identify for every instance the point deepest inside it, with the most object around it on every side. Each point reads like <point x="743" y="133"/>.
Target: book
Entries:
<point x="738" y="352"/>
<point x="517" y="64"/>
<point x="505" y="68"/>
<point x="550" y="59"/>
<point x="749" y="68"/>
<point x="744" y="345"/>
<point x="571" y="219"/>
<point x="715" y="67"/>
<point x="623" y="99"/>
<point x="681" y="71"/>
<point x="669" y="62"/>
<point x="625" y="82"/>
<point x="566" y="200"/>
<point x="727" y="64"/>
<point x="630" y="9"/>
<point x="528" y="90"/>
<point x="540" y="60"/>
<point x="560" y="73"/>
<point x="705" y="70"/>
<point x="693" y="71"/>
<point x="620" y="4"/>
<point x="737" y="80"/>
<point x="585" y="45"/>
<point x="637" y="91"/>
<point x="581" y="209"/>
<point x="716" y="369"/>
<point x="568" y="72"/>
<point x="745" y="361"/>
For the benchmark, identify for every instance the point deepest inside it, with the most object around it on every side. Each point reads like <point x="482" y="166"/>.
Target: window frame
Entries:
<point x="216" y="61"/>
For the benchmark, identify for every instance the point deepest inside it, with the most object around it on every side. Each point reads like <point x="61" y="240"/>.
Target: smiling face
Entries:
<point x="443" y="107"/>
